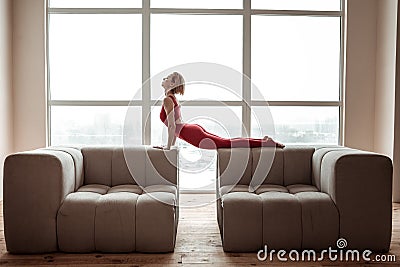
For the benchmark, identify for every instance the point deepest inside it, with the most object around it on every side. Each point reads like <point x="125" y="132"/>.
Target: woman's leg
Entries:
<point x="247" y="142"/>
<point x="196" y="135"/>
<point x="236" y="141"/>
<point x="251" y="142"/>
<point x="243" y="141"/>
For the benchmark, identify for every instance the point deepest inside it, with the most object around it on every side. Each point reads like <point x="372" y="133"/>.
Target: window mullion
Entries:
<point x="341" y="71"/>
<point x="246" y="83"/>
<point x="146" y="95"/>
<point x="48" y="91"/>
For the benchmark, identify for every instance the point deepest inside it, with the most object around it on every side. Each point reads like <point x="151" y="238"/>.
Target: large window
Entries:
<point x="101" y="53"/>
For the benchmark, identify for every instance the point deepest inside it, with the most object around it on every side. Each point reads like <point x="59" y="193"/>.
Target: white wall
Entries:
<point x="29" y="75"/>
<point x="396" y="146"/>
<point x="6" y="125"/>
<point x="385" y="76"/>
<point x="360" y="74"/>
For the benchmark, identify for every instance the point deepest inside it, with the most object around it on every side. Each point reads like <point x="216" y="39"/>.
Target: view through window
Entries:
<point x="100" y="52"/>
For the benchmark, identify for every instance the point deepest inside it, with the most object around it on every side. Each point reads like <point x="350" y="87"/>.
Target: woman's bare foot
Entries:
<point x="270" y="140"/>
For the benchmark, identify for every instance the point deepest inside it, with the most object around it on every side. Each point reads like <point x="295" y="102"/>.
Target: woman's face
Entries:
<point x="167" y="83"/>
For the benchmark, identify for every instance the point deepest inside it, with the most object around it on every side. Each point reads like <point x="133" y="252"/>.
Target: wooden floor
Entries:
<point x="198" y="244"/>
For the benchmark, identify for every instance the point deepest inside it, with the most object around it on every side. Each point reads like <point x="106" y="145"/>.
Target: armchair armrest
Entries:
<point x="360" y="184"/>
<point x="35" y="184"/>
<point x="162" y="166"/>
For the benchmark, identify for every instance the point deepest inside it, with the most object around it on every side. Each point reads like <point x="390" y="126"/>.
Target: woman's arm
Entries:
<point x="174" y="139"/>
<point x="169" y="110"/>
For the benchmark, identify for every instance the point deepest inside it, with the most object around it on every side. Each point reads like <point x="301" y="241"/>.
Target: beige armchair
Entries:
<point x="308" y="199"/>
<point x="105" y="199"/>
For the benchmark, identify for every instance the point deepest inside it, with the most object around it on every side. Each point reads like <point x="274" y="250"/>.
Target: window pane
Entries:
<point x="324" y="5"/>
<point x="209" y="4"/>
<point x="316" y="125"/>
<point x="203" y="92"/>
<point x="295" y="58"/>
<point x="199" y="39"/>
<point x="197" y="166"/>
<point x="95" y="56"/>
<point x="209" y="92"/>
<point x="95" y="3"/>
<point x="83" y="125"/>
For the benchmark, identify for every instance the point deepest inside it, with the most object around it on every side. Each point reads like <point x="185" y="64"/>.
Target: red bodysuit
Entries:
<point x="196" y="135"/>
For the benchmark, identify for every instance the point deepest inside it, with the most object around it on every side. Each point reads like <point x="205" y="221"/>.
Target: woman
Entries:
<point x="194" y="133"/>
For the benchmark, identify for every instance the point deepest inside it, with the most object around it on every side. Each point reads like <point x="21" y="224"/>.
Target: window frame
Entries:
<point x="146" y="102"/>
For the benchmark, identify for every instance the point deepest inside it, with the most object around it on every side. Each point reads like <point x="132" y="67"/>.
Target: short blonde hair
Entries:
<point x="178" y="79"/>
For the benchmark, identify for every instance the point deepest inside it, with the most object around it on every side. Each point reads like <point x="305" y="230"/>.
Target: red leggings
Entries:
<point x="196" y="135"/>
